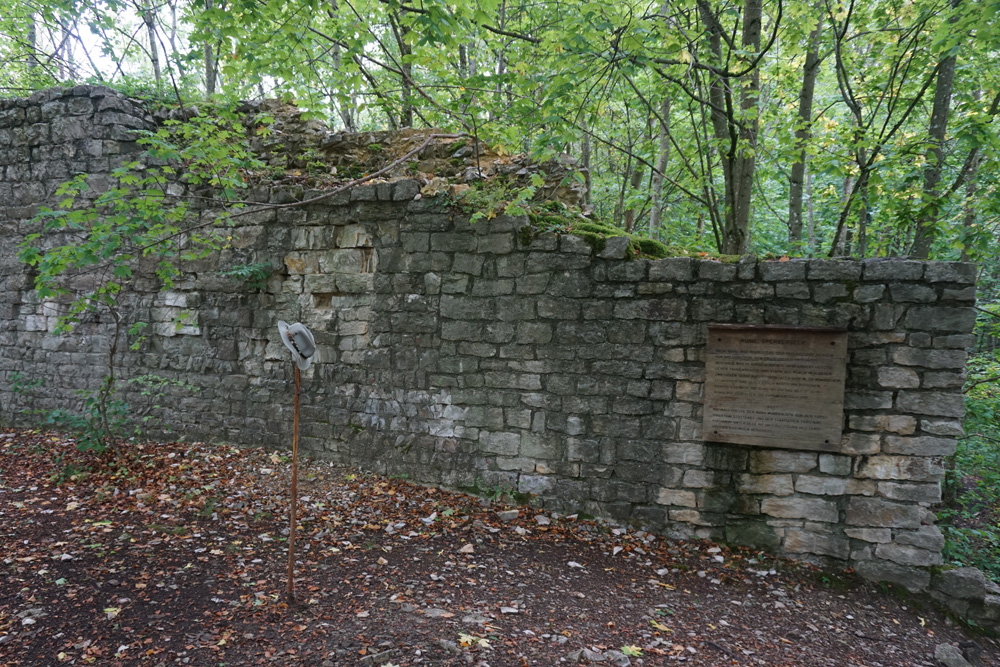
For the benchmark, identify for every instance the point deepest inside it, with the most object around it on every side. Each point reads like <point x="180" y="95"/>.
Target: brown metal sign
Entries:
<point x="775" y="386"/>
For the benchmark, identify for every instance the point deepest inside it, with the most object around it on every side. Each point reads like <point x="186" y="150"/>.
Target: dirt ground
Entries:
<point x="180" y="558"/>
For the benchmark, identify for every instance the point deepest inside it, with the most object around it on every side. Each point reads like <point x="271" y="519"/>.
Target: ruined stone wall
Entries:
<point x="473" y="355"/>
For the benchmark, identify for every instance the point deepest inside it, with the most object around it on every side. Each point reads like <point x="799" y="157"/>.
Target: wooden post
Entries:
<point x="295" y="492"/>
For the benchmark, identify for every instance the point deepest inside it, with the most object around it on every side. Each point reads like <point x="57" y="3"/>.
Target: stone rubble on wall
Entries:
<point x="469" y="355"/>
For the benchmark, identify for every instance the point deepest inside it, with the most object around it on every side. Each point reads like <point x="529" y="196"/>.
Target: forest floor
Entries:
<point x="181" y="558"/>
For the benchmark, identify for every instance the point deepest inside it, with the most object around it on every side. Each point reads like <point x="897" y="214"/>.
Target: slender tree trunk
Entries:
<point x="969" y="212"/>
<point x="32" y="43"/>
<point x="345" y="112"/>
<point x="406" y="111"/>
<point x="588" y="180"/>
<point x="149" y="19"/>
<point x="620" y="206"/>
<point x="662" y="158"/>
<point x="803" y="132"/>
<point x="735" y="130"/>
<point x="210" y="66"/>
<point x="810" y="213"/>
<point x="634" y="183"/>
<point x="927" y="228"/>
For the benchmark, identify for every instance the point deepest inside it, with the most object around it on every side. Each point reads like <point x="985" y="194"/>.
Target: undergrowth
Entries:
<point x="970" y="519"/>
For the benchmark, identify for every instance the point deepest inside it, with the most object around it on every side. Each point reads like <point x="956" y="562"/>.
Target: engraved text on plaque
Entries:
<point x="775" y="386"/>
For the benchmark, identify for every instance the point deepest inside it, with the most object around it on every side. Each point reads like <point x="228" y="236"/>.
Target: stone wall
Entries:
<point x="480" y="355"/>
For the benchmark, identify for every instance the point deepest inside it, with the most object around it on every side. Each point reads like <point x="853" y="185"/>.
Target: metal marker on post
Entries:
<point x="302" y="345"/>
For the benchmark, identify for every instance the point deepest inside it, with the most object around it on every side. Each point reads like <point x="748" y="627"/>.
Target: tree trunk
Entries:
<point x="149" y="19"/>
<point x="210" y="66"/>
<point x="803" y="132"/>
<point x="32" y="43"/>
<point x="927" y="219"/>
<point x="588" y="181"/>
<point x="662" y="157"/>
<point x="634" y="183"/>
<point x="810" y="213"/>
<point x="738" y="134"/>
<point x="969" y="208"/>
<point x="406" y="89"/>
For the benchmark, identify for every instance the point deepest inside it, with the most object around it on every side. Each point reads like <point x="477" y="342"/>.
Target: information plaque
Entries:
<point x="775" y="386"/>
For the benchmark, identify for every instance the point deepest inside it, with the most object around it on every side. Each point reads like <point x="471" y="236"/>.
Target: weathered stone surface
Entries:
<point x="912" y="492"/>
<point x="466" y="353"/>
<point x="917" y="469"/>
<point x="804" y="541"/>
<point x="911" y="578"/>
<point x="777" y="485"/>
<point x="931" y="403"/>
<point x="965" y="583"/>
<point x="775" y="460"/>
<point x="881" y="513"/>
<point x="908" y="555"/>
<point x="924" y="445"/>
<point x="801" y="507"/>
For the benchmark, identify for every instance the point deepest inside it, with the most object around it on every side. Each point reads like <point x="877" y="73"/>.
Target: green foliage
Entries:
<point x="254" y="275"/>
<point x="971" y="517"/>
<point x="137" y="218"/>
<point x="94" y="430"/>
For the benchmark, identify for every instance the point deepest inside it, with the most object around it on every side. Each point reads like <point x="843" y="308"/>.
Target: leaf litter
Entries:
<point x="181" y="560"/>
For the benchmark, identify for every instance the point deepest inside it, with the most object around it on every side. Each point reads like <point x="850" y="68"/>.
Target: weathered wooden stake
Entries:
<point x="295" y="493"/>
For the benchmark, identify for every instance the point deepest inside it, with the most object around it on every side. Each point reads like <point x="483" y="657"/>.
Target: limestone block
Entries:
<point x="911" y="578"/>
<point x="908" y="555"/>
<point x="695" y="517"/>
<point x="900" y="424"/>
<point x="924" y="445"/>
<point x="821" y="486"/>
<point x="302" y="262"/>
<point x="832" y="269"/>
<point x="868" y="293"/>
<point x="876" y="535"/>
<point x="935" y="359"/>
<point x="804" y="541"/>
<point x="776" y="460"/>
<point x="876" y="270"/>
<point x="904" y="292"/>
<point x="801" y="507"/>
<point x="965" y="583"/>
<point x="941" y="380"/>
<point x="672" y="269"/>
<point x="716" y="271"/>
<point x="535" y="484"/>
<point x="777" y="485"/>
<point x="835" y="464"/>
<point x="827" y="292"/>
<point x="860" y="443"/>
<point x="911" y="492"/>
<point x="791" y="270"/>
<point x="951" y="272"/>
<point x="911" y="468"/>
<point x="686" y="453"/>
<point x="704" y="479"/>
<point x="940" y="318"/>
<point x="881" y="513"/>
<point x="505" y="444"/>
<point x="926" y="537"/>
<point x="895" y="377"/>
<point x="353" y="236"/>
<point x="951" y="427"/>
<point x="931" y="403"/>
<point x="677" y="497"/>
<point x="792" y="290"/>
